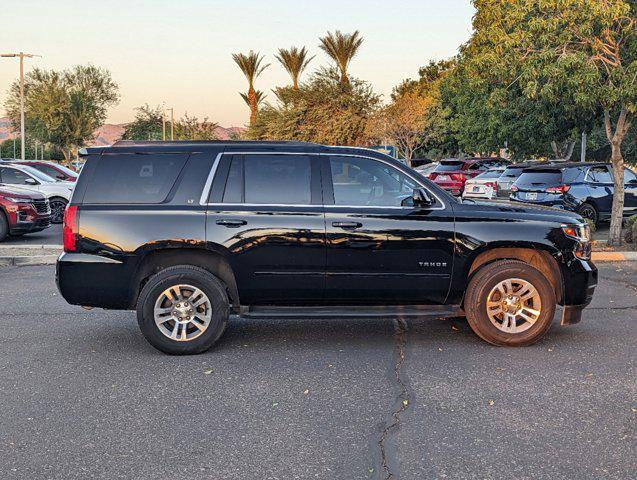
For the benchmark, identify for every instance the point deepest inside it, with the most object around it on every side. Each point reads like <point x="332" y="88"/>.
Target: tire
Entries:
<point x="181" y="276"/>
<point x="4" y="226"/>
<point x="509" y="332"/>
<point x="58" y="204"/>
<point x="589" y="212"/>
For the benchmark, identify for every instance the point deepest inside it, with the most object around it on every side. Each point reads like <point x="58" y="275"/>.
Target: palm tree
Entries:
<point x="294" y="61"/>
<point x="259" y="96"/>
<point x="250" y="65"/>
<point x="341" y="48"/>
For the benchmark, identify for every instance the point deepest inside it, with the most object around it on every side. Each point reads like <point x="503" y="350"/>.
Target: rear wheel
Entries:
<point x="4" y="226"/>
<point x="588" y="212"/>
<point x="183" y="310"/>
<point x="510" y="303"/>
<point x="58" y="205"/>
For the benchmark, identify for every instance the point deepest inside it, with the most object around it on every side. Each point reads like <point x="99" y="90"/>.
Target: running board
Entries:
<point x="390" y="311"/>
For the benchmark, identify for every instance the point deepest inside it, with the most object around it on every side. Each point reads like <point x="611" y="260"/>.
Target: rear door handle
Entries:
<point x="347" y="225"/>
<point x="231" y="222"/>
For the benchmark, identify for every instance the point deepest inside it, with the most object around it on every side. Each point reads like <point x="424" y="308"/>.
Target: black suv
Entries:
<point x="584" y="187"/>
<point x="191" y="232"/>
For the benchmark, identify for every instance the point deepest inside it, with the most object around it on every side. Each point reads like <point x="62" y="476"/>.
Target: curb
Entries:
<point x="31" y="247"/>
<point x="614" y="256"/>
<point x="28" y="260"/>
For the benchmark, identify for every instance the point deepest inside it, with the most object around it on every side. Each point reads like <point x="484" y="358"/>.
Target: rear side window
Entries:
<point x="599" y="175"/>
<point x="540" y="177"/>
<point x="450" y="165"/>
<point x="136" y="179"/>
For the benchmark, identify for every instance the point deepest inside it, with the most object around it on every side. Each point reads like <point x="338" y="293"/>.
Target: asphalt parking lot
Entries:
<point x="49" y="236"/>
<point x="84" y="396"/>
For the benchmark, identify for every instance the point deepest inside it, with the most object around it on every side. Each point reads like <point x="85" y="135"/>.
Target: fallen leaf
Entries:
<point x="274" y="404"/>
<point x="455" y="329"/>
<point x="490" y="402"/>
<point x="306" y="391"/>
<point x="550" y="349"/>
<point x="207" y="371"/>
<point x="405" y="402"/>
<point x="439" y="349"/>
<point x="634" y="409"/>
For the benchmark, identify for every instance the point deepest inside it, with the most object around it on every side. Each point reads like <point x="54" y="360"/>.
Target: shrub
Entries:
<point x="630" y="233"/>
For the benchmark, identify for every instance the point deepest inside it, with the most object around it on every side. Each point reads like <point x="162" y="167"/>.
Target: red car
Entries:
<point x="52" y="169"/>
<point x="22" y="211"/>
<point x="452" y="173"/>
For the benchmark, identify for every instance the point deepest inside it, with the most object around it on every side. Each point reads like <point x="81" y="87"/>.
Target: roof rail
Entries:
<point x="156" y="143"/>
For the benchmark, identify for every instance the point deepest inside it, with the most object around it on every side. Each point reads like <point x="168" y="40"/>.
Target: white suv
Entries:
<point x="58" y="193"/>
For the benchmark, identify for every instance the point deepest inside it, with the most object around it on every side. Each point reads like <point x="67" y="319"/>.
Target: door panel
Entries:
<point x="385" y="254"/>
<point x="275" y="243"/>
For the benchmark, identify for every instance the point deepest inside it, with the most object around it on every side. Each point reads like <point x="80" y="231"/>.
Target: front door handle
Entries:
<point x="231" y="222"/>
<point x="347" y="225"/>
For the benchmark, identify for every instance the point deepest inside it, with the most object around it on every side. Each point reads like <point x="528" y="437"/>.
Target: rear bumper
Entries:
<point x="455" y="188"/>
<point x="95" y="281"/>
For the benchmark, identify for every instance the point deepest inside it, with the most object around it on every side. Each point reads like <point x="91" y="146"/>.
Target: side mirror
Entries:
<point x="419" y="198"/>
<point x="31" y="181"/>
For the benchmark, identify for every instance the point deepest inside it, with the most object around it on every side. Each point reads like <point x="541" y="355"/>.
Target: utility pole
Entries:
<point x="22" y="56"/>
<point x="172" y="124"/>
<point x="583" y="149"/>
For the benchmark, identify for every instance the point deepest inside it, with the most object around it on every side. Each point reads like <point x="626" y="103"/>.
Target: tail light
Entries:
<point x="560" y="189"/>
<point x="70" y="229"/>
<point x="432" y="175"/>
<point x="459" y="177"/>
<point x="493" y="185"/>
<point x="514" y="188"/>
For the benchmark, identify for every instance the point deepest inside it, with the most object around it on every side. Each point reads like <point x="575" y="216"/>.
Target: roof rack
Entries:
<point x="156" y="143"/>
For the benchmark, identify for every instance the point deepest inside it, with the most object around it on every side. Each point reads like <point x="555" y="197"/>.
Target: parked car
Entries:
<point x="451" y="174"/>
<point x="420" y="162"/>
<point x="22" y="211"/>
<point x="426" y="169"/>
<point x="188" y="232"/>
<point x="58" y="193"/>
<point x="52" y="169"/>
<point x="484" y="185"/>
<point x="583" y="187"/>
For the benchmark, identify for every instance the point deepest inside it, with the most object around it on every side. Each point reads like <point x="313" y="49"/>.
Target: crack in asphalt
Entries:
<point x="387" y="451"/>
<point x="631" y="307"/>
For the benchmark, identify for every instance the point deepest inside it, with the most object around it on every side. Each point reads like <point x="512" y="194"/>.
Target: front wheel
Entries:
<point x="183" y="310"/>
<point x="58" y="205"/>
<point x="510" y="303"/>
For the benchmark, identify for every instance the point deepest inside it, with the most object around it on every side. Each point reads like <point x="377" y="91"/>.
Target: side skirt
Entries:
<point x="352" y="311"/>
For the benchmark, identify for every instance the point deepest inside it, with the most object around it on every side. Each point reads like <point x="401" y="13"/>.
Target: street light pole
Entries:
<point x="22" y="56"/>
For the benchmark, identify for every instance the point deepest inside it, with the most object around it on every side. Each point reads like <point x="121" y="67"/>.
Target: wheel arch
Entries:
<point x="155" y="260"/>
<point x="540" y="258"/>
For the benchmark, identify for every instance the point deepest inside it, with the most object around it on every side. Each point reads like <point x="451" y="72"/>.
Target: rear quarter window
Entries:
<point x="134" y="178"/>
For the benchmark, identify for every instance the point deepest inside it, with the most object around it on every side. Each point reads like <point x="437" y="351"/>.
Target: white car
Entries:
<point x="484" y="185"/>
<point x="23" y="176"/>
<point x="426" y="169"/>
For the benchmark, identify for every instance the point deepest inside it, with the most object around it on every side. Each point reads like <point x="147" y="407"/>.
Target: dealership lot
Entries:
<point x="84" y="396"/>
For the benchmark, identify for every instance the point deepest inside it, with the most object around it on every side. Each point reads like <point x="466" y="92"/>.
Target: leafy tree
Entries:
<point x="341" y="47"/>
<point x="64" y="108"/>
<point x="295" y="61"/>
<point x="147" y="124"/>
<point x="191" y="128"/>
<point x="580" y="55"/>
<point x="323" y="110"/>
<point x="251" y="67"/>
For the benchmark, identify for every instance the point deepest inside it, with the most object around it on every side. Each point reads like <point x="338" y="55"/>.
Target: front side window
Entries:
<point x="11" y="176"/>
<point x="366" y="182"/>
<point x="629" y="176"/>
<point x="47" y="170"/>
<point x="599" y="175"/>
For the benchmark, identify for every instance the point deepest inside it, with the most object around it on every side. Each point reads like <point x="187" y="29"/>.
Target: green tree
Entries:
<point x="578" y="55"/>
<point x="320" y="111"/>
<point x="64" y="108"/>
<point x="191" y="128"/>
<point x="341" y="47"/>
<point x="295" y="61"/>
<point x="147" y="124"/>
<point x="251" y="67"/>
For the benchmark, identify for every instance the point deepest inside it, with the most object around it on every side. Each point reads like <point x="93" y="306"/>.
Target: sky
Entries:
<point x="178" y="53"/>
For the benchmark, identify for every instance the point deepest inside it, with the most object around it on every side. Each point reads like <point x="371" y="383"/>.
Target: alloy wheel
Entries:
<point x="182" y="312"/>
<point x="57" y="210"/>
<point x="514" y="305"/>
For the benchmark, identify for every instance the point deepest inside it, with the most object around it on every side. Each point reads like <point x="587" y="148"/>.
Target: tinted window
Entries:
<point x="12" y="176"/>
<point x="512" y="172"/>
<point x="50" y="171"/>
<point x="540" y="177"/>
<point x="366" y="182"/>
<point x="449" y="165"/>
<point x="277" y="179"/>
<point x="599" y="175"/>
<point x="134" y="178"/>
<point x="629" y="176"/>
<point x="234" y="184"/>
<point x="490" y="174"/>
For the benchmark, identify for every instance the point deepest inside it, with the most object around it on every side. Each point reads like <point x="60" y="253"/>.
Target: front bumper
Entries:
<point x="579" y="281"/>
<point x="36" y="225"/>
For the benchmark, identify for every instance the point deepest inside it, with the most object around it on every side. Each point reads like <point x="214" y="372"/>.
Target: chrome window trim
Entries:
<point x="208" y="185"/>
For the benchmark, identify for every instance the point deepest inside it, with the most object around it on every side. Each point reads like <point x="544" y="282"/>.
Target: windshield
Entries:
<point x="490" y="174"/>
<point x="512" y="172"/>
<point x="37" y="174"/>
<point x="449" y="165"/>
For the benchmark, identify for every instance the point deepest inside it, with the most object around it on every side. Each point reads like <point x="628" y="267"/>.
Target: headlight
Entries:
<point x="581" y="233"/>
<point x="17" y="200"/>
